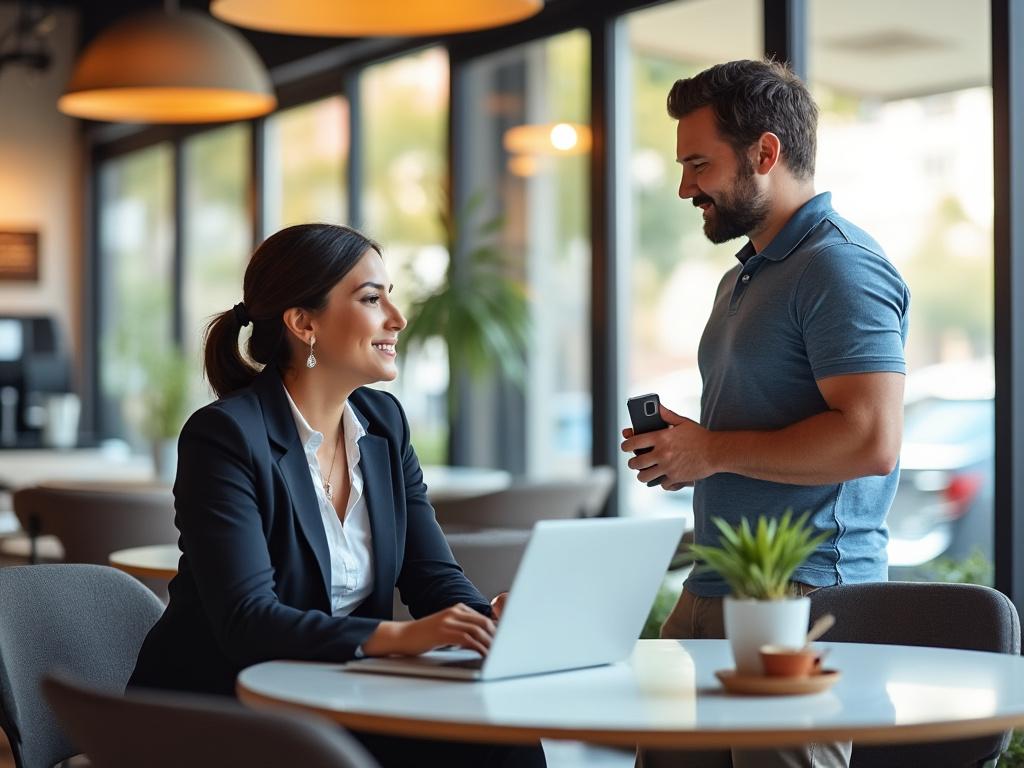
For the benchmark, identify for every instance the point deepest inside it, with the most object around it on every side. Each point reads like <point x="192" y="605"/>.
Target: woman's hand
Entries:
<point x="498" y="605"/>
<point x="458" y="625"/>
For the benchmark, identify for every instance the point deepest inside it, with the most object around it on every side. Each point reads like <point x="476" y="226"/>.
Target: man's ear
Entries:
<point x="298" y="322"/>
<point x="769" y="152"/>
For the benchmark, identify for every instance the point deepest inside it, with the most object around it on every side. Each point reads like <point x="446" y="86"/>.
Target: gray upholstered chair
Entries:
<point x="91" y="520"/>
<point x="524" y="503"/>
<point x="964" y="616"/>
<point x="158" y="729"/>
<point x="87" y="619"/>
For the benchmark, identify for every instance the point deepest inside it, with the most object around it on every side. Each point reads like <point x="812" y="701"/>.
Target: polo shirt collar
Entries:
<point x="800" y="224"/>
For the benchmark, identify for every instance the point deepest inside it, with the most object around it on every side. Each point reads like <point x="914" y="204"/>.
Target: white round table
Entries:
<point x="445" y="483"/>
<point x="159" y="561"/>
<point x="666" y="695"/>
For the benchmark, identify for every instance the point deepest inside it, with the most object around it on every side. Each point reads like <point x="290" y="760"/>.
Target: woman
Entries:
<point x="299" y="498"/>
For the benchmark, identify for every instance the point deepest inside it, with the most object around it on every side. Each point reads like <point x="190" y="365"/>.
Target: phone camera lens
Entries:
<point x="650" y="409"/>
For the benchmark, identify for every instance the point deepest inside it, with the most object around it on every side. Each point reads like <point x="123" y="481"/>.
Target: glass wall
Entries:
<point x="306" y="156"/>
<point x="671" y="268"/>
<point x="136" y="238"/>
<point x="217" y="236"/>
<point x="405" y="149"/>
<point x="905" y="146"/>
<point x="527" y="150"/>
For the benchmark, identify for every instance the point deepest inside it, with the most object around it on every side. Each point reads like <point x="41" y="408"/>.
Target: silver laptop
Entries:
<point x="579" y="599"/>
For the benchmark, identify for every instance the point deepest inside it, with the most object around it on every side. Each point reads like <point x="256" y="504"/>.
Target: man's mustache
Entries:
<point x="700" y="200"/>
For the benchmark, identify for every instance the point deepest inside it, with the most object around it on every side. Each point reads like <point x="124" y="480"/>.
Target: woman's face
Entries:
<point x="357" y="331"/>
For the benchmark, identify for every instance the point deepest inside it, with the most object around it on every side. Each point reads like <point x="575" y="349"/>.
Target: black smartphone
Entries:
<point x="645" y="414"/>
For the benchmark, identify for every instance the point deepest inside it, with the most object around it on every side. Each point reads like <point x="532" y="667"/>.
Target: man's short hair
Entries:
<point x="749" y="98"/>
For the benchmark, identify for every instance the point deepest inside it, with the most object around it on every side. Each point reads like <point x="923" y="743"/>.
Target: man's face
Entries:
<point x="718" y="182"/>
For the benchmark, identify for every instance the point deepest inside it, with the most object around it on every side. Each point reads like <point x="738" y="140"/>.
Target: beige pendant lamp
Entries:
<point x="168" y="67"/>
<point x="366" y="18"/>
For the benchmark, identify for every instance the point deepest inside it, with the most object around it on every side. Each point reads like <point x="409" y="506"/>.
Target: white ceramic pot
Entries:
<point x="749" y="624"/>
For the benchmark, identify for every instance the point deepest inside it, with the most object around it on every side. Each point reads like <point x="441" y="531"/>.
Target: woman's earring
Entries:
<point x="311" y="360"/>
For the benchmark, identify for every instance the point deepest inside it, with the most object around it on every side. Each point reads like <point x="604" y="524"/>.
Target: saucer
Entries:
<point x="762" y="685"/>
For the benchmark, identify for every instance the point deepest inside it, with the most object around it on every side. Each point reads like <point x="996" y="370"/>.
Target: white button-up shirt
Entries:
<point x="349" y="543"/>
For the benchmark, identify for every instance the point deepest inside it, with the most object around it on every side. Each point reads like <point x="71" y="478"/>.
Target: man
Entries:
<point x="801" y="359"/>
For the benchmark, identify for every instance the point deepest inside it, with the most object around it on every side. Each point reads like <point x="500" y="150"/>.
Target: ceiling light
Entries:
<point x="365" y="18"/>
<point x="550" y="139"/>
<point x="157" y="67"/>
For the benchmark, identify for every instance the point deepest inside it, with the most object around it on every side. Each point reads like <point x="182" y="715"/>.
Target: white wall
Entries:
<point x="41" y="179"/>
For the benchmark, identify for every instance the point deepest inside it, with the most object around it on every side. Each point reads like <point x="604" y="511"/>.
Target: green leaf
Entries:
<point x="757" y="562"/>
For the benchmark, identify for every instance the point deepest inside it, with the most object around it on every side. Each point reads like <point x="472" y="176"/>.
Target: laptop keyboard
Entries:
<point x="465" y="663"/>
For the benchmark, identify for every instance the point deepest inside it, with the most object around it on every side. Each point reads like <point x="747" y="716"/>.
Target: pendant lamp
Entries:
<point x="366" y="18"/>
<point x="168" y="67"/>
<point x="552" y="139"/>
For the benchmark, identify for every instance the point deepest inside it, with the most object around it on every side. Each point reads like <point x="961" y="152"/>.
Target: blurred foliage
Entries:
<point x="481" y="312"/>
<point x="664" y="602"/>
<point x="976" y="568"/>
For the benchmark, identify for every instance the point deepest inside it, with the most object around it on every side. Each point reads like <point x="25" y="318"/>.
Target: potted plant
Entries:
<point x="480" y="309"/>
<point x="757" y="564"/>
<point x="164" y="402"/>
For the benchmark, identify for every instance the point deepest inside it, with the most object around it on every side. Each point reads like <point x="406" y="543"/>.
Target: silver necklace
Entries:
<point x="328" y="488"/>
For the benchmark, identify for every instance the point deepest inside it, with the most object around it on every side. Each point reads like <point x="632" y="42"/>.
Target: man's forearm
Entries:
<point x="823" y="449"/>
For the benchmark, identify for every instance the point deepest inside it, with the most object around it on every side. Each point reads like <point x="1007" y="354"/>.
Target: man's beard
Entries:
<point x="737" y="213"/>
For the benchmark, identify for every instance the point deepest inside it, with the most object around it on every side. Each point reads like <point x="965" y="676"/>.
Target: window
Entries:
<point x="672" y="268"/>
<point x="306" y="152"/>
<point x="217" y="235"/>
<point x="905" y="146"/>
<point x="135" y="255"/>
<point x="405" y="148"/>
<point x="528" y="150"/>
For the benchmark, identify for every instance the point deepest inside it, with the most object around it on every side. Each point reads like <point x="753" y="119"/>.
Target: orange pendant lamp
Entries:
<point x="367" y="18"/>
<point x="168" y="67"/>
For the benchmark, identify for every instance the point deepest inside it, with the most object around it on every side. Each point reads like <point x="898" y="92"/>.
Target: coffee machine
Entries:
<point x="34" y="365"/>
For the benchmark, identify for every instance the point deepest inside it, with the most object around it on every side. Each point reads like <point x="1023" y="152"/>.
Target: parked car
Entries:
<point x="944" y="501"/>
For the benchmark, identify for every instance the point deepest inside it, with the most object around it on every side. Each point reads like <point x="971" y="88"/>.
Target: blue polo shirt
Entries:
<point x="820" y="300"/>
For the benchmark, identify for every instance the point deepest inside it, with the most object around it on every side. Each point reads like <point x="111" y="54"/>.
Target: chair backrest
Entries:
<point x="87" y="619"/>
<point x="964" y="616"/>
<point x="159" y="729"/>
<point x="523" y="504"/>
<point x="94" y="519"/>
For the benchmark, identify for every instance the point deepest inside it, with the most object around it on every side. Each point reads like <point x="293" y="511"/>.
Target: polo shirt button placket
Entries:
<point x="745" y="279"/>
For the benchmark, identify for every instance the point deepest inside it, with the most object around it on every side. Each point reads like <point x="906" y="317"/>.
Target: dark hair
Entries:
<point x="296" y="267"/>
<point x="750" y="98"/>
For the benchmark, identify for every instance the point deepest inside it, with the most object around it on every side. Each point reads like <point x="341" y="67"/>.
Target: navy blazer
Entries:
<point x="253" y="582"/>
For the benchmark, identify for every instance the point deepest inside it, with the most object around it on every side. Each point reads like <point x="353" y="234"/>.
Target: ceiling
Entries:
<point x="862" y="47"/>
<point x="874" y="48"/>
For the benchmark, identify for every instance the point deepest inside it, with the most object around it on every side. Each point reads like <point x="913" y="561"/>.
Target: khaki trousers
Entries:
<point x="702" y="618"/>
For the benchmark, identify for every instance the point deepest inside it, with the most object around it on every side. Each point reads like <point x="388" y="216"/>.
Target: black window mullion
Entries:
<point x="257" y="179"/>
<point x="1007" y="25"/>
<point x="354" y="162"/>
<point x="785" y="33"/>
<point x="606" y="43"/>
<point x="179" y="217"/>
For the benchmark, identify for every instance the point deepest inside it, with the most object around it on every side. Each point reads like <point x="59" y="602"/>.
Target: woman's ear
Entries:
<point x="299" y="323"/>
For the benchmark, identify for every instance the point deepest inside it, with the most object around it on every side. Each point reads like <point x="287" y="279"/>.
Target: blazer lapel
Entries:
<point x="375" y="467"/>
<point x="291" y="459"/>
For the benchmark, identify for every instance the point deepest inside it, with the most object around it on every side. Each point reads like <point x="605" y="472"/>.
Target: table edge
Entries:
<point x="949" y="730"/>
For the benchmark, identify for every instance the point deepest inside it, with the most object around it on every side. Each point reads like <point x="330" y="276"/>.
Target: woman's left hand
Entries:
<point x="498" y="605"/>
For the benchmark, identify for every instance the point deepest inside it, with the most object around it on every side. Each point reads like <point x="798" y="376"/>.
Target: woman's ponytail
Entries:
<point x="226" y="369"/>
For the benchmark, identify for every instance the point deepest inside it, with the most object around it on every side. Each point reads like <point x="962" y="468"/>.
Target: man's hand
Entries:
<point x="680" y="453"/>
